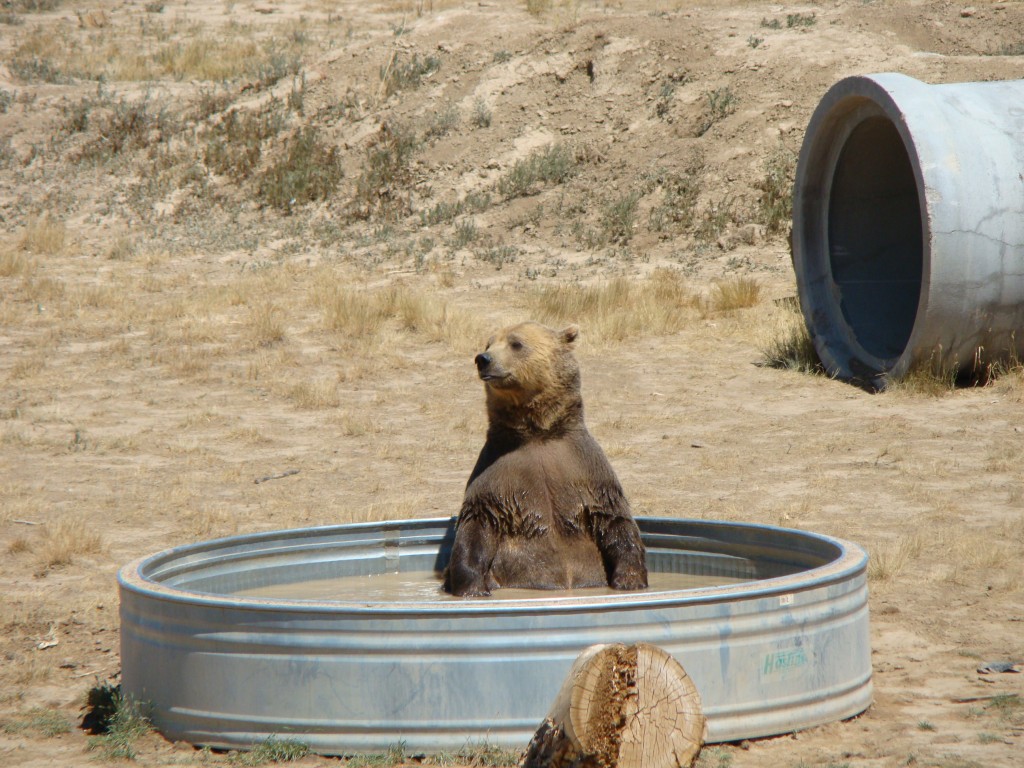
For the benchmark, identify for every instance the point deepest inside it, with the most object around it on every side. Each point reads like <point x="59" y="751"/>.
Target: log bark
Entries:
<point x="621" y="707"/>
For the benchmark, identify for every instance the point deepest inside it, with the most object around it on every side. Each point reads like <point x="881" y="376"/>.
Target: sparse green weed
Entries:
<point x="680" y="191"/>
<point x="1007" y="705"/>
<point x="721" y="103"/>
<point x="126" y="126"/>
<point x="235" y="145"/>
<point x="716" y="219"/>
<point x="482" y="755"/>
<point x="552" y="164"/>
<point x="662" y="106"/>
<point x="1009" y="49"/>
<point x="796" y="20"/>
<point x="482" y="114"/>
<point x="45" y="722"/>
<point x="118" y="720"/>
<point x="464" y="234"/>
<point x="271" y="750"/>
<point x="775" y="206"/>
<point x="440" y="213"/>
<point x="499" y="255"/>
<point x="619" y="219"/>
<point x="382" y="188"/>
<point x="401" y="73"/>
<point x="392" y="758"/>
<point x="477" y="202"/>
<point x="309" y="170"/>
<point x="443" y="121"/>
<point x="714" y="757"/>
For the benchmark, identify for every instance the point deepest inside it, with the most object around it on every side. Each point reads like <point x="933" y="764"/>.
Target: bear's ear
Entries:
<point x="568" y="334"/>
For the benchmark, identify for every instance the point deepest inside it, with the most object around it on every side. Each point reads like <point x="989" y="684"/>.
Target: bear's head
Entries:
<point x="531" y="376"/>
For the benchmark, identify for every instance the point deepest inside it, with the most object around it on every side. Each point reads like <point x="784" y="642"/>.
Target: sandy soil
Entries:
<point x="164" y="337"/>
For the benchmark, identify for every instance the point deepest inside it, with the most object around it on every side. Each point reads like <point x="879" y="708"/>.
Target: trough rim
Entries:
<point x="850" y="562"/>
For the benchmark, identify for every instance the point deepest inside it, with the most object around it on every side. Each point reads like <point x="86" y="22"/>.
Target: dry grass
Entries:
<point x="782" y="339"/>
<point x="18" y="545"/>
<point x="620" y="308"/>
<point x="354" y="313"/>
<point x="363" y="314"/>
<point x="314" y="395"/>
<point x="209" y="58"/>
<point x="437" y="320"/>
<point x="354" y="424"/>
<point x="15" y="263"/>
<point x="210" y="520"/>
<point x="266" y="324"/>
<point x="27" y="367"/>
<point x="925" y="379"/>
<point x="889" y="560"/>
<point x="734" y="294"/>
<point x="44" y="235"/>
<point x="67" y="538"/>
<point x="182" y="51"/>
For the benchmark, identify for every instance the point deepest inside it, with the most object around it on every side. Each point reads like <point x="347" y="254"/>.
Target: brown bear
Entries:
<point x="543" y="508"/>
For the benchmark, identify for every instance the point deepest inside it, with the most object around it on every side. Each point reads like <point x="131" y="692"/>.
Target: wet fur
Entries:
<point x="543" y="508"/>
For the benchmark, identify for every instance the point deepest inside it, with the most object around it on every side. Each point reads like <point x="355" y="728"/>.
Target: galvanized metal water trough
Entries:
<point x="787" y="650"/>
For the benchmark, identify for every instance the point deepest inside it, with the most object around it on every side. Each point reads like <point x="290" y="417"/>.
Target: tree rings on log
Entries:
<point x="621" y="707"/>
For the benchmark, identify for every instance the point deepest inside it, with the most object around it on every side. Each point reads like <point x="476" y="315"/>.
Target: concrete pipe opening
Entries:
<point x="908" y="226"/>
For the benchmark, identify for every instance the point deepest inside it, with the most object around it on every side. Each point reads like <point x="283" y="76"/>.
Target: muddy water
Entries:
<point x="416" y="586"/>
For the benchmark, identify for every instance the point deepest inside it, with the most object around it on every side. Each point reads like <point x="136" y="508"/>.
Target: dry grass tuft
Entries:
<point x="210" y="520"/>
<point x="66" y="538"/>
<point x="362" y="314"/>
<point x="357" y="424"/>
<point x="923" y="380"/>
<point x="738" y="293"/>
<point x="44" y="235"/>
<point x="314" y="395"/>
<point x="435" y="319"/>
<point x="888" y="561"/>
<point x="15" y="264"/>
<point x="19" y="545"/>
<point x="26" y="367"/>
<point x="783" y="341"/>
<point x="266" y="324"/>
<point x="620" y="308"/>
<point x="357" y="314"/>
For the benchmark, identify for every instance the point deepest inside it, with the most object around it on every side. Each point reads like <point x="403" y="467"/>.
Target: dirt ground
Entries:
<point x="178" y="319"/>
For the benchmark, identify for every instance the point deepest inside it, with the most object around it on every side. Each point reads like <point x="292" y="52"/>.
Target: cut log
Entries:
<point x="621" y="707"/>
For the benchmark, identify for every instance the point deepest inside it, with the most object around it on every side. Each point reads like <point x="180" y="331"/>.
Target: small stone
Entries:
<point x="966" y="13"/>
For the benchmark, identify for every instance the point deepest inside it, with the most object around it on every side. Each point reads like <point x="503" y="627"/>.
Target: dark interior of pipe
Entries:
<point x="875" y="239"/>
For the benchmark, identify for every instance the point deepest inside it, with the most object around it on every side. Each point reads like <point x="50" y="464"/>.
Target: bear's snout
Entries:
<point x="482" y="361"/>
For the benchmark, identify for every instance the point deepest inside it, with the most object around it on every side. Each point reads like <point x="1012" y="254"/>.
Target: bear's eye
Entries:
<point x="516" y="344"/>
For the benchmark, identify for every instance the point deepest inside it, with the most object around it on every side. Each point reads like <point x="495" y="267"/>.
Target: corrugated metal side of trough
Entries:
<point x="770" y="656"/>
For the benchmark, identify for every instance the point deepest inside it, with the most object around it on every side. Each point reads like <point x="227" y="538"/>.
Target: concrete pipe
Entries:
<point x="908" y="226"/>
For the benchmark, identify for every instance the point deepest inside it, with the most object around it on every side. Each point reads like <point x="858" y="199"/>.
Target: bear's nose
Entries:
<point x="482" y="361"/>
